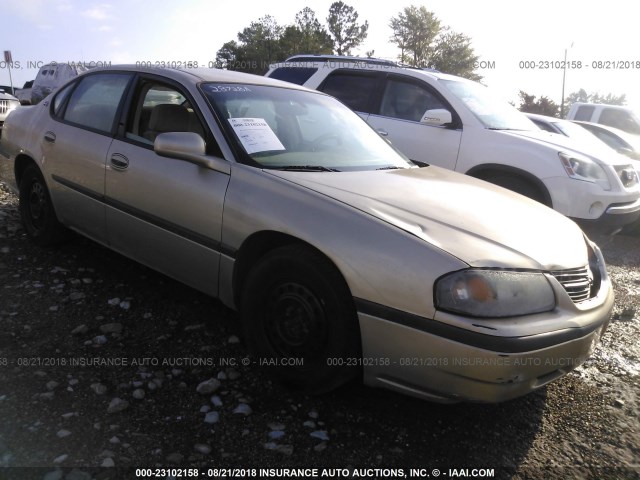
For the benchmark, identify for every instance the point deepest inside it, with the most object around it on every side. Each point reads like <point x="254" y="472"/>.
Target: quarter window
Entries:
<point x="297" y="75"/>
<point x="94" y="103"/>
<point x="59" y="100"/>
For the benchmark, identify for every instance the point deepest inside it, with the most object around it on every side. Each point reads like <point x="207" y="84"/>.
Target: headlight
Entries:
<point x="628" y="176"/>
<point x="494" y="293"/>
<point x="584" y="169"/>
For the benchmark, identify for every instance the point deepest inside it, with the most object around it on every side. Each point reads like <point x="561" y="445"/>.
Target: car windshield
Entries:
<point x="492" y="111"/>
<point x="576" y="132"/>
<point x="283" y="128"/>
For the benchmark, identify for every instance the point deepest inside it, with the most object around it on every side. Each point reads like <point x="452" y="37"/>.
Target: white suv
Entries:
<point x="440" y="119"/>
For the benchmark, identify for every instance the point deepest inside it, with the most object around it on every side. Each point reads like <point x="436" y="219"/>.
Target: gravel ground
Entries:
<point x="174" y="402"/>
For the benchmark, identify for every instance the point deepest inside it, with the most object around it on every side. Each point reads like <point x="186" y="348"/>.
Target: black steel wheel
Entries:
<point x="300" y="321"/>
<point x="36" y="210"/>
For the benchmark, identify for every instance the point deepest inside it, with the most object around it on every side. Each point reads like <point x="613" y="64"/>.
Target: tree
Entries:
<point x="594" y="97"/>
<point x="227" y="55"/>
<point x="258" y="45"/>
<point x="306" y="35"/>
<point x="425" y="42"/>
<point x="454" y="54"/>
<point x="543" y="106"/>
<point x="344" y="28"/>
<point x="415" y="31"/>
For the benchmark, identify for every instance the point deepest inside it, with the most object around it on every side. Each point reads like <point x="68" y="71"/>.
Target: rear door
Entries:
<point x="357" y="90"/>
<point x="75" y="142"/>
<point x="163" y="212"/>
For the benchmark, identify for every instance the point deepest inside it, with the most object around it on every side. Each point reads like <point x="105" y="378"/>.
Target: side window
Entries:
<point x="619" y="119"/>
<point x="584" y="113"/>
<point x="94" y="102"/>
<point x="354" y="90"/>
<point x="407" y="100"/>
<point x="160" y="108"/>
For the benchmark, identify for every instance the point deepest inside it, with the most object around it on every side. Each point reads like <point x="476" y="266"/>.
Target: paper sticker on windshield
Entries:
<point x="256" y="135"/>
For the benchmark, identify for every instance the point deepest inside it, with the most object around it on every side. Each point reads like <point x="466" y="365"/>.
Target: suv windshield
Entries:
<point x="298" y="130"/>
<point x="492" y="111"/>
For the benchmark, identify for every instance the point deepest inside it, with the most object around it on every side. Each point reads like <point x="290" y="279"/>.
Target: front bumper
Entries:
<point x="436" y="361"/>
<point x="613" y="219"/>
<point x="590" y="206"/>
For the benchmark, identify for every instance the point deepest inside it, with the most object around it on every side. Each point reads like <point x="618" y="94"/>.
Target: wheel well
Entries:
<point x="20" y="165"/>
<point x="254" y="248"/>
<point x="485" y="172"/>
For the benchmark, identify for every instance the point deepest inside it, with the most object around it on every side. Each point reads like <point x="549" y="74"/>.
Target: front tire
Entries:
<point x="518" y="185"/>
<point x="296" y="305"/>
<point x="36" y="209"/>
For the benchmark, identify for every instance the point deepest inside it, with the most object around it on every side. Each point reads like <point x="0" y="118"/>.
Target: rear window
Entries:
<point x="297" y="75"/>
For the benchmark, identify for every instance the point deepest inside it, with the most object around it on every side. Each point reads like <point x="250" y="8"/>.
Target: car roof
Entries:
<point x="197" y="75"/>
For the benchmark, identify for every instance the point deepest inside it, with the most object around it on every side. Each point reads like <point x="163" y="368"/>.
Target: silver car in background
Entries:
<point x="336" y="250"/>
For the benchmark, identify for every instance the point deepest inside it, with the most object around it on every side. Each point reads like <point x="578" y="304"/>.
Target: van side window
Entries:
<point x="94" y="102"/>
<point x="584" y="113"/>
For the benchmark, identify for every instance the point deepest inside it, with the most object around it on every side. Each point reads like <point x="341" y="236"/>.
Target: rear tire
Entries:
<point x="296" y="305"/>
<point x="36" y="209"/>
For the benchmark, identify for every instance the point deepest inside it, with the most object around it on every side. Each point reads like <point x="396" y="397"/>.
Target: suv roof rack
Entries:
<point x="343" y="58"/>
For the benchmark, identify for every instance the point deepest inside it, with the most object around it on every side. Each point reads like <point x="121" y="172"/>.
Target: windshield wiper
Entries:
<point x="307" y="168"/>
<point x="390" y="167"/>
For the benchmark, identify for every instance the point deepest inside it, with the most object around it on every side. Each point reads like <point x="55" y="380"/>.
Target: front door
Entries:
<point x="165" y="213"/>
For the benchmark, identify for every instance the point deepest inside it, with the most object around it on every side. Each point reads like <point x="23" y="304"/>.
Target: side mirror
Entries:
<point x="436" y="117"/>
<point x="190" y="147"/>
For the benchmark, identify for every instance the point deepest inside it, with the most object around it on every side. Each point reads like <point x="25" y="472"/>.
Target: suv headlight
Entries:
<point x="494" y="293"/>
<point x="627" y="174"/>
<point x="584" y="169"/>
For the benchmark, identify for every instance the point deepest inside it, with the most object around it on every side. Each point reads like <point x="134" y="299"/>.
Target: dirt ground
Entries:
<point x="181" y="396"/>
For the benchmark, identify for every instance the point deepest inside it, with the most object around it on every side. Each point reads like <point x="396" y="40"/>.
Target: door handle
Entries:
<point x="119" y="161"/>
<point x="50" y="137"/>
<point x="382" y="132"/>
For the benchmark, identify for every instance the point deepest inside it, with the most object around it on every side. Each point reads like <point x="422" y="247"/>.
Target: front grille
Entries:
<point x="4" y="106"/>
<point x="577" y="282"/>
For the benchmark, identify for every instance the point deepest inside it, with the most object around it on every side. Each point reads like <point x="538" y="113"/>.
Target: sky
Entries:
<point x="521" y="44"/>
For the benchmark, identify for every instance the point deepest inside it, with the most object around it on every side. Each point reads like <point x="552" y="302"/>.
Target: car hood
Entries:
<point x="597" y="150"/>
<point x="479" y="223"/>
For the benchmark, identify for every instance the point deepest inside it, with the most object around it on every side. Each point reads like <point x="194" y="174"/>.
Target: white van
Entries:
<point x="616" y="116"/>
<point x="444" y="120"/>
<point x="51" y="76"/>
